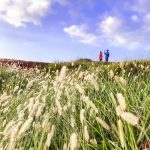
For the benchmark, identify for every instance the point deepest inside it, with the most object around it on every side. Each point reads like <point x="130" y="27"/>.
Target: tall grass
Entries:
<point x="93" y="106"/>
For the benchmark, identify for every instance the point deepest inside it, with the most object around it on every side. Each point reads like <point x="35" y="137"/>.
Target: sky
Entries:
<point x="65" y="30"/>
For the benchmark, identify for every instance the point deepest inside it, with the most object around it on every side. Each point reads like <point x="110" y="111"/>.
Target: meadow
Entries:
<point x="78" y="105"/>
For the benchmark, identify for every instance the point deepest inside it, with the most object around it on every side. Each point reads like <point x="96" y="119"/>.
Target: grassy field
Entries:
<point x="80" y="105"/>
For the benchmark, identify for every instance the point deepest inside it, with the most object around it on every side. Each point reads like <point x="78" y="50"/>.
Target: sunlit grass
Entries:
<point x="87" y="106"/>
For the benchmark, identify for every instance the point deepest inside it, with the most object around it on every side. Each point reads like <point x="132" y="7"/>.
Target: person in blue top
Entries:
<point x="106" y="55"/>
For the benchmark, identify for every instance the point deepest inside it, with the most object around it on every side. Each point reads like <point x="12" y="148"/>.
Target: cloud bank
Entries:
<point x="131" y="32"/>
<point x="80" y="32"/>
<point x="20" y="12"/>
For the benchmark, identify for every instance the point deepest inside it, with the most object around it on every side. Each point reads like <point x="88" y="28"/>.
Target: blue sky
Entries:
<point x="64" y="30"/>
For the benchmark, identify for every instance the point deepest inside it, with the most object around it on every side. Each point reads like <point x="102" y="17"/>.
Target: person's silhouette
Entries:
<point x="100" y="56"/>
<point x="106" y="55"/>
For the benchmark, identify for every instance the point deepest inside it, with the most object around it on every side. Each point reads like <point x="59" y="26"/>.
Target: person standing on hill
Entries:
<point x="100" y="56"/>
<point x="106" y="55"/>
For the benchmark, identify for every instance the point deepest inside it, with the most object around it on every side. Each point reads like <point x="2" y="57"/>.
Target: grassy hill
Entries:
<point x="75" y="105"/>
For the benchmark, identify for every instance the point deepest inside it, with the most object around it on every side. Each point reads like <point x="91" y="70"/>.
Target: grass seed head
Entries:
<point x="31" y="104"/>
<point x="80" y="89"/>
<point x="62" y="74"/>
<point x="72" y="121"/>
<point x="102" y="123"/>
<point x="21" y="115"/>
<point x="121" y="134"/>
<point x="4" y="99"/>
<point x="30" y="84"/>
<point x="89" y="103"/>
<point x="65" y="147"/>
<point x="119" y="110"/>
<point x="50" y="136"/>
<point x="8" y="127"/>
<point x="16" y="89"/>
<point x="34" y="109"/>
<point x="121" y="101"/>
<point x="4" y="123"/>
<point x="130" y="118"/>
<point x="111" y="74"/>
<point x="15" y="131"/>
<point x="39" y="111"/>
<point x="93" y="141"/>
<point x="122" y="64"/>
<point x="86" y="134"/>
<point x="25" y="126"/>
<point x="121" y="81"/>
<point x="57" y="102"/>
<point x="73" y="141"/>
<point x="82" y="118"/>
<point x="48" y="140"/>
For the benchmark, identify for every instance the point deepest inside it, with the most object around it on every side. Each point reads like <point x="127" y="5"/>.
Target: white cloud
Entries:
<point x="142" y="10"/>
<point x="80" y="32"/>
<point x="117" y="32"/>
<point x="20" y="12"/>
<point x="147" y="18"/>
<point x="110" y="25"/>
<point x="134" y="18"/>
<point x="112" y="31"/>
